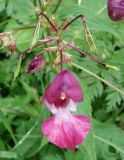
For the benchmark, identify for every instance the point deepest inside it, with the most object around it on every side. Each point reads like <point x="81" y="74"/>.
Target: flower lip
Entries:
<point x="64" y="84"/>
<point x="66" y="130"/>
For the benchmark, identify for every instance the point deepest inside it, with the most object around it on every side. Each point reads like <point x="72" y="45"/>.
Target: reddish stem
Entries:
<point x="69" y="23"/>
<point x="52" y="25"/>
<point x="61" y="60"/>
<point x="23" y="28"/>
<point x="35" y="46"/>
<point x="86" y="55"/>
<point x="60" y="49"/>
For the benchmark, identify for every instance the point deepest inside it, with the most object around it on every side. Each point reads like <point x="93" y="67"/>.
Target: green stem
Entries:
<point x="99" y="78"/>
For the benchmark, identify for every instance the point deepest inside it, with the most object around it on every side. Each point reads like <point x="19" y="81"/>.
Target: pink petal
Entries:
<point x="116" y="9"/>
<point x="67" y="83"/>
<point x="67" y="131"/>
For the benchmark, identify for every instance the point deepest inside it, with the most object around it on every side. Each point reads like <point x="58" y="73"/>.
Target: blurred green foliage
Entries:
<point x="21" y="112"/>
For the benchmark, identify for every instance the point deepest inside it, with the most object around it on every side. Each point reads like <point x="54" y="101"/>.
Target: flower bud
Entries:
<point x="4" y="39"/>
<point x="47" y="40"/>
<point x="116" y="10"/>
<point x="12" y="46"/>
<point x="67" y="59"/>
<point x="36" y="64"/>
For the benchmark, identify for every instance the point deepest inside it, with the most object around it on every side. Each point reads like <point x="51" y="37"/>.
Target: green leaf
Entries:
<point x="7" y="125"/>
<point x="106" y="135"/>
<point x="113" y="99"/>
<point x="18" y="68"/>
<point x="8" y="155"/>
<point x="25" y="136"/>
<point x="2" y="5"/>
<point x="85" y="108"/>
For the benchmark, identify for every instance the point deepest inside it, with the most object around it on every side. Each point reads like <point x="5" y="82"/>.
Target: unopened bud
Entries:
<point x="37" y="10"/>
<point x="67" y="59"/>
<point x="36" y="64"/>
<point x="12" y="46"/>
<point x="47" y="40"/>
<point x="4" y="40"/>
<point x="60" y="47"/>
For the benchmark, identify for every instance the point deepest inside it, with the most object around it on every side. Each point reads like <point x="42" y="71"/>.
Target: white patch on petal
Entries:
<point x="51" y="107"/>
<point x="62" y="114"/>
<point x="72" y="106"/>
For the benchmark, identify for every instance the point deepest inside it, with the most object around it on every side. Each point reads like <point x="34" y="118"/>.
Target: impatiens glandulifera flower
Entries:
<point x="116" y="9"/>
<point x="61" y="97"/>
<point x="36" y="64"/>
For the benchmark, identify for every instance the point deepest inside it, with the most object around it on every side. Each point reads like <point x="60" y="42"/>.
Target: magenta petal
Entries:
<point x="116" y="9"/>
<point x="67" y="132"/>
<point x="67" y="83"/>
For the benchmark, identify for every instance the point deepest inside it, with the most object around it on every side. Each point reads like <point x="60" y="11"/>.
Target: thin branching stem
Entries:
<point x="69" y="23"/>
<point x="33" y="47"/>
<point x="61" y="60"/>
<point x="23" y="28"/>
<point x="87" y="55"/>
<point x="52" y="25"/>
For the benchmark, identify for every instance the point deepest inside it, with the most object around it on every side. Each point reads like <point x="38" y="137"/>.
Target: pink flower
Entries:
<point x="116" y="9"/>
<point x="36" y="64"/>
<point x="61" y="97"/>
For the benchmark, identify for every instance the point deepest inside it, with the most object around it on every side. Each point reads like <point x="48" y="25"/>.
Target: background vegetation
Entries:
<point x="21" y="112"/>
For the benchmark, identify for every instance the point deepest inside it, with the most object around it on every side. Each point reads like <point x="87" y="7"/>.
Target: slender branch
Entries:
<point x="99" y="78"/>
<point x="57" y="6"/>
<point x="60" y="49"/>
<point x="61" y="60"/>
<point x="35" y="46"/>
<point x="30" y="49"/>
<point x="52" y="25"/>
<point x="68" y="24"/>
<point x="87" y="55"/>
<point x="23" y="28"/>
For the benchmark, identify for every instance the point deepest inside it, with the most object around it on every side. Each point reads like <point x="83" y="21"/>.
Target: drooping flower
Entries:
<point x="36" y="64"/>
<point x="61" y="97"/>
<point x="116" y="10"/>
